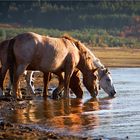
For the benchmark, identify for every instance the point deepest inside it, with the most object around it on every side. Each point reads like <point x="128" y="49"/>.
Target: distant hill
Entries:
<point x="67" y="15"/>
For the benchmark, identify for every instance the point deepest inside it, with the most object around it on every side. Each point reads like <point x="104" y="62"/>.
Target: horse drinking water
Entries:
<point x="104" y="76"/>
<point x="35" y="52"/>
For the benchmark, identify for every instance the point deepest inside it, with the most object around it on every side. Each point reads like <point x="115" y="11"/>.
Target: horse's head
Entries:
<point x="105" y="81"/>
<point x="90" y="82"/>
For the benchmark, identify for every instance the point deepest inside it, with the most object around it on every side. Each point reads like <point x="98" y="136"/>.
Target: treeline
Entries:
<point x="67" y="15"/>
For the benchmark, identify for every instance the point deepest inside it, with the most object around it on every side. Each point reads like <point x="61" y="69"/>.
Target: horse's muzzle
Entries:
<point x="112" y="94"/>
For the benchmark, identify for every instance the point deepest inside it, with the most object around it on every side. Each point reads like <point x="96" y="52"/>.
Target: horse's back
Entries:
<point x="42" y="52"/>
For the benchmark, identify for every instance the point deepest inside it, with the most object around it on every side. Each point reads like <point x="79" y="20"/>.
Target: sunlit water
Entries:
<point x="117" y="117"/>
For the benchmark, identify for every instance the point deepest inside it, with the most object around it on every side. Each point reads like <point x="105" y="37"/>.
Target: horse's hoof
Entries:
<point x="55" y="96"/>
<point x="28" y="98"/>
<point x="19" y="99"/>
<point x="13" y="99"/>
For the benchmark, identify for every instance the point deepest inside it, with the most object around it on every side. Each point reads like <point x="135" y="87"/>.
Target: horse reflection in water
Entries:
<point x="58" y="114"/>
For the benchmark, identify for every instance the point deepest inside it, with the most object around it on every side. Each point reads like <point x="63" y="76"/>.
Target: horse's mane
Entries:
<point x="84" y="50"/>
<point x="81" y="47"/>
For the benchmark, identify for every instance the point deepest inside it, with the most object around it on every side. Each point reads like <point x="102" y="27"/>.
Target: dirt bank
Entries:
<point x="10" y="130"/>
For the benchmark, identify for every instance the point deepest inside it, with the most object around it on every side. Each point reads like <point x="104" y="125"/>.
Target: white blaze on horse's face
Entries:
<point x="106" y="83"/>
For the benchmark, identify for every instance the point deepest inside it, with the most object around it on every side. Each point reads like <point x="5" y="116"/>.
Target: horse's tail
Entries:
<point x="11" y="59"/>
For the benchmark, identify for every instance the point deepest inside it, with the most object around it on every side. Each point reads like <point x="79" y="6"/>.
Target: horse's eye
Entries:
<point x="108" y="80"/>
<point x="109" y="72"/>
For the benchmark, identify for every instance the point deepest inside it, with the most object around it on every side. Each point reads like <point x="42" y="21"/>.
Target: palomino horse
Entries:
<point x="35" y="52"/>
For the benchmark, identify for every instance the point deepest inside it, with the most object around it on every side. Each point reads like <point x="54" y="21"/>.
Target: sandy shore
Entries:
<point x="118" y="57"/>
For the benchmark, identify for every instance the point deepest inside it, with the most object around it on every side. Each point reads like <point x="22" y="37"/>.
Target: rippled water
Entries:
<point x="117" y="117"/>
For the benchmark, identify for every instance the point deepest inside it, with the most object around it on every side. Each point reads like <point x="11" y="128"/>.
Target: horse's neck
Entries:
<point x="99" y="65"/>
<point x="83" y="65"/>
<point x="97" y="62"/>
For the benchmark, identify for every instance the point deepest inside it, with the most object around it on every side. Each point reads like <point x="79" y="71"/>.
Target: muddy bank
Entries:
<point x="10" y="130"/>
<point x="23" y="130"/>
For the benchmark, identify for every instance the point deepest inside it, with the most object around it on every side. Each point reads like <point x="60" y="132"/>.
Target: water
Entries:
<point x="109" y="117"/>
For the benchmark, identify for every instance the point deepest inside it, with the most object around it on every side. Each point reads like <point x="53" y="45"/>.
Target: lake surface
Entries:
<point x="110" y="117"/>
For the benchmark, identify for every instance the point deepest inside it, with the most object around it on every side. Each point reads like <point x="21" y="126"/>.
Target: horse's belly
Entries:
<point x="52" y="65"/>
<point x="47" y="63"/>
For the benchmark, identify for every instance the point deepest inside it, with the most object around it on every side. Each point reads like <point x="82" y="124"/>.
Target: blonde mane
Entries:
<point x="84" y="50"/>
<point x="81" y="47"/>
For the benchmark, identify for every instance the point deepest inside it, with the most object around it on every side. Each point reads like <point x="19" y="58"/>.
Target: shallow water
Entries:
<point x="109" y="117"/>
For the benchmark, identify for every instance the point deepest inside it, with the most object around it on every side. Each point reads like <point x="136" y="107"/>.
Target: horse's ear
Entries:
<point x="94" y="70"/>
<point x="107" y="71"/>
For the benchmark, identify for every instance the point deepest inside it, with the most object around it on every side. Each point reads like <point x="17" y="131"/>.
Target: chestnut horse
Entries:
<point x="75" y="83"/>
<point x="104" y="75"/>
<point x="35" y="52"/>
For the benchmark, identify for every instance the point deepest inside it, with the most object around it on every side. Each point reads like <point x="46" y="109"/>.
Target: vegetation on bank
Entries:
<point x="92" y="37"/>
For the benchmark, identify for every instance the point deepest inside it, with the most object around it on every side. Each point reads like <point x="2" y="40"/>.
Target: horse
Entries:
<point x="32" y="51"/>
<point x="104" y="78"/>
<point x="75" y="83"/>
<point x="5" y="66"/>
<point x="104" y="75"/>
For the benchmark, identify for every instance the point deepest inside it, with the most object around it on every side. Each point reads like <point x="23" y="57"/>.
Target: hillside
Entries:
<point x="67" y="15"/>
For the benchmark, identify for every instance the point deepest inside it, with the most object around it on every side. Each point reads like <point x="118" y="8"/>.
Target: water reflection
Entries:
<point x="77" y="117"/>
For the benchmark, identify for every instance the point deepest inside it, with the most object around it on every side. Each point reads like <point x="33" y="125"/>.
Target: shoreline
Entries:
<point x="118" y="57"/>
<point x="11" y="130"/>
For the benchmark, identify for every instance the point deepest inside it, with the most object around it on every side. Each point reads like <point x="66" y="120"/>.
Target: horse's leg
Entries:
<point x="18" y="72"/>
<point x="69" y="68"/>
<point x="3" y="71"/>
<point x="75" y="84"/>
<point x="46" y="79"/>
<point x="30" y="82"/>
<point x="1" y="83"/>
<point x="60" y="87"/>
